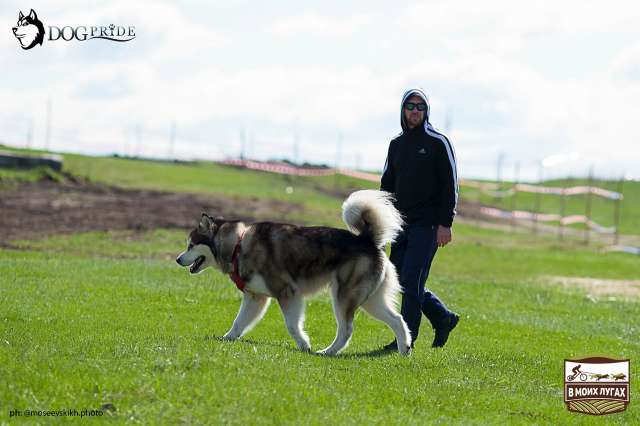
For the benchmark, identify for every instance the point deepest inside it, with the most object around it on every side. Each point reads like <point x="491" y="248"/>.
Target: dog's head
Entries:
<point x="201" y="246"/>
<point x="29" y="31"/>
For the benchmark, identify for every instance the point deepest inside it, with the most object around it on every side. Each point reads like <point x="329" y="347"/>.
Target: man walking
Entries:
<point x="420" y="172"/>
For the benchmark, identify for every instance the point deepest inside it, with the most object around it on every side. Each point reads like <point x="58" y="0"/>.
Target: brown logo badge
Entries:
<point x="596" y="386"/>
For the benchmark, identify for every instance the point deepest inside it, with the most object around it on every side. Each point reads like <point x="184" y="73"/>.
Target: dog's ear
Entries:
<point x="33" y="15"/>
<point x="206" y="226"/>
<point x="20" y="16"/>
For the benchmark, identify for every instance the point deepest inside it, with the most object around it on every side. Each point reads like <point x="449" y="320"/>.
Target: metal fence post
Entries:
<point x="538" y="196"/>
<point x="514" y="196"/>
<point x="588" y="207"/>
<point x="562" y="209"/>
<point x="616" y="212"/>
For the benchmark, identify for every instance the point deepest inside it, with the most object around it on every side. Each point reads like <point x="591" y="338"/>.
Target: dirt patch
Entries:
<point x="33" y="210"/>
<point x="599" y="287"/>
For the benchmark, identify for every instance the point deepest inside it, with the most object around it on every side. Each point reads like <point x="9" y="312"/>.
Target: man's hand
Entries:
<point x="443" y="236"/>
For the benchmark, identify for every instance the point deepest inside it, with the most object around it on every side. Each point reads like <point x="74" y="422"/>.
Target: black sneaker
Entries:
<point x="442" y="332"/>
<point x="393" y="346"/>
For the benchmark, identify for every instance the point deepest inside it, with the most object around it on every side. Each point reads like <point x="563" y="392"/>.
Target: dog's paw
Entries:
<point x="304" y="345"/>
<point x="325" y="352"/>
<point x="406" y="351"/>
<point x="230" y="337"/>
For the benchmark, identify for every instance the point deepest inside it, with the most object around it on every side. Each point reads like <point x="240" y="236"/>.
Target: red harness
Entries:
<point x="235" y="274"/>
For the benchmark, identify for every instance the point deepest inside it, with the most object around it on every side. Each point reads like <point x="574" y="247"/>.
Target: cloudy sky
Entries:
<point x="548" y="82"/>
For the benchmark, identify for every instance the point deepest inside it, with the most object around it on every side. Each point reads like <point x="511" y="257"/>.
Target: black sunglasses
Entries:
<point x="410" y="106"/>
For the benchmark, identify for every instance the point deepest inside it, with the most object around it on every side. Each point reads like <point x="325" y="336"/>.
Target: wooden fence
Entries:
<point x="514" y="214"/>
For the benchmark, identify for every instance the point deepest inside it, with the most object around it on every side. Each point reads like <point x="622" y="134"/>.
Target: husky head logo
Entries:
<point x="29" y="30"/>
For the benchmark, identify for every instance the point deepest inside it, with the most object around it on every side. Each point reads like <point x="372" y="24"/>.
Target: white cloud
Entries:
<point x="624" y="69"/>
<point x="532" y="80"/>
<point x="313" y="23"/>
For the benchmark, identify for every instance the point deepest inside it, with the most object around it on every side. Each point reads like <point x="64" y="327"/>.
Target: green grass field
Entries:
<point x="109" y="318"/>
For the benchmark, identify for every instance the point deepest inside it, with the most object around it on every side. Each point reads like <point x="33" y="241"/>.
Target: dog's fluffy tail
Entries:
<point x="371" y="212"/>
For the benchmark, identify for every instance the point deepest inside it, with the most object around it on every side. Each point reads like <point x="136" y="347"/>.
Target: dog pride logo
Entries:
<point x="30" y="31"/>
<point x="596" y="386"/>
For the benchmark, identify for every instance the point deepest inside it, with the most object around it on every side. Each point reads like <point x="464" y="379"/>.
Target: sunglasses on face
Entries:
<point x="411" y="106"/>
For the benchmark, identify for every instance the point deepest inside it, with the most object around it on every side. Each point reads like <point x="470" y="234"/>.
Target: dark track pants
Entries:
<point x="412" y="254"/>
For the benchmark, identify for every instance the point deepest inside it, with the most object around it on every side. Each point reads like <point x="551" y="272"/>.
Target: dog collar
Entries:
<point x="235" y="274"/>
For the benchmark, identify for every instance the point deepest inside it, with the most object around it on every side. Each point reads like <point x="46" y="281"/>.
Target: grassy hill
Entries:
<point x="319" y="193"/>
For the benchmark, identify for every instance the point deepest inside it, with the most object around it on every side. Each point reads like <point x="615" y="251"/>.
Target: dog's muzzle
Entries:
<point x="196" y="264"/>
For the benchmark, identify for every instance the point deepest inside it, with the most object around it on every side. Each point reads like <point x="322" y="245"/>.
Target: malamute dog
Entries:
<point x="29" y="30"/>
<point x="287" y="262"/>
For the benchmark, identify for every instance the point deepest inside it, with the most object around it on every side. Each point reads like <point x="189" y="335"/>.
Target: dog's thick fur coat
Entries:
<point x="288" y="262"/>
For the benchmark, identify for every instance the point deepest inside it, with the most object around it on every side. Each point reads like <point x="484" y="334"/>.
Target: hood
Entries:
<point x="406" y="96"/>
